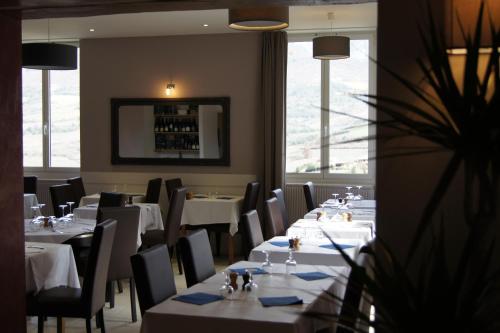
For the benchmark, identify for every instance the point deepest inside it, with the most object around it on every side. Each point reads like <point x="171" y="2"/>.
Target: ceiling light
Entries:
<point x="331" y="47"/>
<point x="259" y="19"/>
<point x="205" y="25"/>
<point x="91" y="29"/>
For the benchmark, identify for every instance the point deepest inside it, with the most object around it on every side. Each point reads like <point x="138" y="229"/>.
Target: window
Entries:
<point x="51" y="118"/>
<point x="323" y="119"/>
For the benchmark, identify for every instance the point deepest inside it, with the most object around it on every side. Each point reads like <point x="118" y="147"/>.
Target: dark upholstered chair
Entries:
<point x="280" y="196"/>
<point x="171" y="185"/>
<point x="253" y="230"/>
<point x="153" y="276"/>
<point x="30" y="184"/>
<point x="197" y="257"/>
<point x="172" y="224"/>
<point x="274" y="221"/>
<point x="310" y="195"/>
<point x="81" y="245"/>
<point x="60" y="195"/>
<point x="124" y="246"/>
<point x="78" y="189"/>
<point x="153" y="191"/>
<point x="109" y="199"/>
<point x="89" y="300"/>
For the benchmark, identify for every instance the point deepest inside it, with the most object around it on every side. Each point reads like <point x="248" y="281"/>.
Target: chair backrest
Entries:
<point x="153" y="276"/>
<point x="310" y="195"/>
<point x="30" y="184"/>
<point x="253" y="230"/>
<point x="125" y="244"/>
<point x="251" y="196"/>
<point x="274" y="221"/>
<point x="197" y="258"/>
<point x="153" y="191"/>
<point x="94" y="281"/>
<point x="109" y="199"/>
<point x="174" y="216"/>
<point x="171" y="185"/>
<point x="78" y="189"/>
<point x="60" y="195"/>
<point x="280" y="196"/>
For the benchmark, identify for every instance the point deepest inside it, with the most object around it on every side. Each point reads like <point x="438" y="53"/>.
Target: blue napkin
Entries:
<point x="280" y="244"/>
<point x="280" y="301"/>
<point x="198" y="298"/>
<point x="253" y="270"/>
<point x="311" y="276"/>
<point x="342" y="246"/>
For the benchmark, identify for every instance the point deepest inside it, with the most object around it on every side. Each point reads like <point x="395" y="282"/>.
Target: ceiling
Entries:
<point x="189" y="22"/>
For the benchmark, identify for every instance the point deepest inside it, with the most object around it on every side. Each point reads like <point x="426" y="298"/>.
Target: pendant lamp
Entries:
<point x="259" y="19"/>
<point x="331" y="47"/>
<point x="50" y="56"/>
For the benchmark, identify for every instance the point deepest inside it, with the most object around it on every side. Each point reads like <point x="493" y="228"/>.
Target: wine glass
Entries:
<point x="40" y="206"/>
<point x="63" y="208"/>
<point x="290" y="263"/>
<point x="35" y="211"/>
<point x="226" y="290"/>
<point x="335" y="195"/>
<point x="267" y="265"/>
<point x="358" y="196"/>
<point x="70" y="214"/>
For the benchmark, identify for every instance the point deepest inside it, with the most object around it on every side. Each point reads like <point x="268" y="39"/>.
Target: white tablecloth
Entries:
<point x="199" y="211"/>
<point x="60" y="235"/>
<point x="30" y="200"/>
<point x="309" y="253"/>
<point x="361" y="230"/>
<point x="245" y="314"/>
<point x="94" y="198"/>
<point x="48" y="266"/>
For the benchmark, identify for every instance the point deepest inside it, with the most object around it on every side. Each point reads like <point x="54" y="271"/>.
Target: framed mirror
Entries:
<point x="174" y="131"/>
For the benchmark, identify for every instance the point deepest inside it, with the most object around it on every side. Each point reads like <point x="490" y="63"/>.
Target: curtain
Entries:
<point x="274" y="64"/>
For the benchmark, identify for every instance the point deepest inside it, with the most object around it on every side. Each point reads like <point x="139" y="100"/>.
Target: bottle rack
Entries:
<point x="176" y="129"/>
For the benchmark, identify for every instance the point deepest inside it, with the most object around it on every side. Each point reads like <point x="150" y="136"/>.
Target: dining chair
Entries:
<point x="153" y="276"/>
<point x="60" y="195"/>
<point x="82" y="302"/>
<point x="81" y="244"/>
<point x="30" y="184"/>
<point x="153" y="191"/>
<point x="310" y="195"/>
<point x="78" y="189"/>
<point x="280" y="196"/>
<point x="171" y="185"/>
<point x="109" y="199"/>
<point x="197" y="257"/>
<point x="253" y="231"/>
<point x="124" y="246"/>
<point x="274" y="220"/>
<point x="171" y="226"/>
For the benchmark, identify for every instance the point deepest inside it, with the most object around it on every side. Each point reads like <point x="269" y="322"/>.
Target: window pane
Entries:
<point x="303" y="118"/>
<point x="65" y="118"/>
<point x="32" y="118"/>
<point x="349" y="76"/>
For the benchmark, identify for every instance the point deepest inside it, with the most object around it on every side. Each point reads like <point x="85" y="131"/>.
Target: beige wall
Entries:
<point x="200" y="66"/>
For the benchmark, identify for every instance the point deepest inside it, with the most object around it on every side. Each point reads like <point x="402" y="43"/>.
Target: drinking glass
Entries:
<point x="335" y="195"/>
<point x="40" y="206"/>
<point x="226" y="290"/>
<point x="358" y="196"/>
<point x="70" y="204"/>
<point x="267" y="265"/>
<point x="35" y="212"/>
<point x="63" y="207"/>
<point x="290" y="263"/>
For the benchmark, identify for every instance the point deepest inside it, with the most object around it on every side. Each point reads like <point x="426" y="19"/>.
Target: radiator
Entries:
<point x="296" y="202"/>
<point x="43" y="194"/>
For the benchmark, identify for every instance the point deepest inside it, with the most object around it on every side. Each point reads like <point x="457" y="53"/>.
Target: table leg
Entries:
<point x="230" y="248"/>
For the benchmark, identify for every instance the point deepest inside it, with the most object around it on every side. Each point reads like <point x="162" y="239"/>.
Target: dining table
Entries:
<point x="36" y="232"/>
<point x="49" y="265"/>
<point x="361" y="229"/>
<point x="95" y="197"/>
<point x="244" y="312"/>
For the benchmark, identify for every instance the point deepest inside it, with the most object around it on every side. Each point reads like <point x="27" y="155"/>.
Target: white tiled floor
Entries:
<point x="118" y="319"/>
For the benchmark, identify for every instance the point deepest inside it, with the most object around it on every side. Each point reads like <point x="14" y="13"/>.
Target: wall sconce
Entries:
<point x="170" y="89"/>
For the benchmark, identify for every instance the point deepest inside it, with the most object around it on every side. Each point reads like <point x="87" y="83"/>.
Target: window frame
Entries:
<point x="46" y="132"/>
<point x="324" y="176"/>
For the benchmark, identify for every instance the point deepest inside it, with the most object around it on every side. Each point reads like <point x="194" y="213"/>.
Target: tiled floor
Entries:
<point x="118" y="319"/>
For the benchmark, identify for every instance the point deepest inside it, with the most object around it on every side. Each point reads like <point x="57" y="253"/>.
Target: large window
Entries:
<point x="324" y="120"/>
<point x="51" y="118"/>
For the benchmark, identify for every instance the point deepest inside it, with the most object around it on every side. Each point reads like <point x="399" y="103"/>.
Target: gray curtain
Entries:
<point x="274" y="64"/>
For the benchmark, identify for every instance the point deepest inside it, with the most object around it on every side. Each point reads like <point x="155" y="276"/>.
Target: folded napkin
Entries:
<point x="311" y="276"/>
<point x="224" y="198"/>
<point x="342" y="246"/>
<point x="280" y="301"/>
<point x="198" y="298"/>
<point x="280" y="243"/>
<point x="253" y="270"/>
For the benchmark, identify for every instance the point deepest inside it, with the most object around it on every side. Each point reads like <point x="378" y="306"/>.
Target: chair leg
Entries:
<point x="110" y="291"/>
<point x="217" y="243"/>
<point x="40" y="324"/>
<point x="120" y="286"/>
<point x="100" y="315"/>
<point x="132" y="300"/>
<point x="88" y="325"/>
<point x="59" y="325"/>
<point x="178" y="255"/>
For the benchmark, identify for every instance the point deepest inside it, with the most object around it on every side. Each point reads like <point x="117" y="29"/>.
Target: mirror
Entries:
<point x="176" y="131"/>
